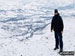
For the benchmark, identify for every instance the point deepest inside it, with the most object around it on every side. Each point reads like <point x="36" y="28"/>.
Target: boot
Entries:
<point x="56" y="48"/>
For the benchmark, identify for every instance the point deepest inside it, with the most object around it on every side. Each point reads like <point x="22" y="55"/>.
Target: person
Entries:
<point x="58" y="26"/>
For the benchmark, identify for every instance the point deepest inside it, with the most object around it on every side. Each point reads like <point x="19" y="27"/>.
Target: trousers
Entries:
<point x="58" y="40"/>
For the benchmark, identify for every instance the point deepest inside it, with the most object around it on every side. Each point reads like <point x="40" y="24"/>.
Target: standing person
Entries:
<point x="57" y="26"/>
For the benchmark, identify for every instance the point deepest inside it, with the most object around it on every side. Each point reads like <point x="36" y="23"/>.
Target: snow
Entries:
<point x="25" y="27"/>
<point x="38" y="45"/>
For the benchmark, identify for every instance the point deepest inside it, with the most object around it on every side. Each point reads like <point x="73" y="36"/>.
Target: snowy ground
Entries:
<point x="25" y="27"/>
<point x="40" y="44"/>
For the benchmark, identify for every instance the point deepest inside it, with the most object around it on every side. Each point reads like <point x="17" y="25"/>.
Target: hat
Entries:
<point x="56" y="11"/>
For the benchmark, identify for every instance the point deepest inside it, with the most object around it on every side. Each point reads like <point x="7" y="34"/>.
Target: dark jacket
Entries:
<point x="57" y="23"/>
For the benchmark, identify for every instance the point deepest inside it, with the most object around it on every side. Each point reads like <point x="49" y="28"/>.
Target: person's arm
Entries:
<point x="52" y="25"/>
<point x="62" y="25"/>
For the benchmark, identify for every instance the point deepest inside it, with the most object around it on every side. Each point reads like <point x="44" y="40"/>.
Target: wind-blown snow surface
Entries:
<point x="38" y="45"/>
<point x="25" y="27"/>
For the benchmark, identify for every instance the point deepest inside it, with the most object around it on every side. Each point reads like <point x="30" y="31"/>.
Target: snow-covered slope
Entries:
<point x="41" y="44"/>
<point x="25" y="17"/>
<point x="25" y="26"/>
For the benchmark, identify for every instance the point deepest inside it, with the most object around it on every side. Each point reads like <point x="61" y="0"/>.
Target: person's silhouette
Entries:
<point x="57" y="25"/>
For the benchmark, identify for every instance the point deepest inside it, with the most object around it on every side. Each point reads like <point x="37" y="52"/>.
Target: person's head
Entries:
<point x="56" y="12"/>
